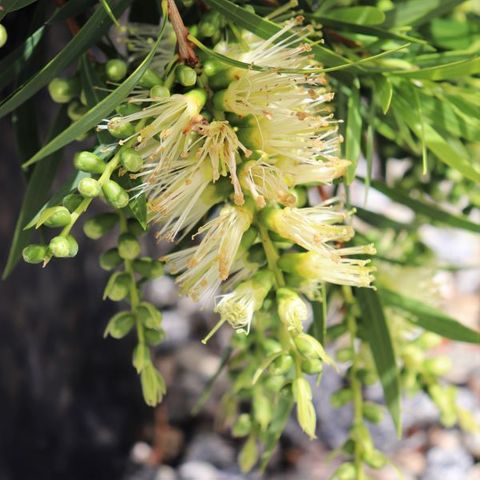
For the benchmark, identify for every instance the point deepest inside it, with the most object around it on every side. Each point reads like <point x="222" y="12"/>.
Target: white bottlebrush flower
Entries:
<point x="220" y="145"/>
<point x="311" y="228"/>
<point x="266" y="182"/>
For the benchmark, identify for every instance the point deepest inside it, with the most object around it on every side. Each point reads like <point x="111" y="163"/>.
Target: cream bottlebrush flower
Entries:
<point x="302" y="393"/>
<point x="265" y="182"/>
<point x="311" y="228"/>
<point x="237" y="308"/>
<point x="315" y="268"/>
<point x="219" y="144"/>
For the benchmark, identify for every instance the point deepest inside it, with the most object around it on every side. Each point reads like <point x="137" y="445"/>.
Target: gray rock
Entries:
<point x="198" y="471"/>
<point x="165" y="472"/>
<point x="211" y="448"/>
<point x="162" y="291"/>
<point x="177" y="327"/>
<point x="447" y="464"/>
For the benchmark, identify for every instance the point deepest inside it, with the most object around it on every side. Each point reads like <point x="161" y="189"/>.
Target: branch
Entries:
<point x="185" y="47"/>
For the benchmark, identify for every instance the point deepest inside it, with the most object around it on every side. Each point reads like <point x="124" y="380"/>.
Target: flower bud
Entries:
<point x="110" y="259"/>
<point x="310" y="347"/>
<point x="148" y="268"/>
<point x="346" y="471"/>
<point x="72" y="201"/>
<point x="128" y="246"/>
<point x="150" y="78"/>
<point x="242" y="426"/>
<point x="72" y="246"/>
<point x="3" y="35"/>
<point x="118" y="286"/>
<point x="89" y="187"/>
<point x="248" y="454"/>
<point x="223" y="78"/>
<point x="116" y="70"/>
<point x="34" y="253"/>
<point x="206" y="29"/>
<point x="344" y="354"/>
<point x="437" y="365"/>
<point x="140" y="357"/>
<point x="149" y="316"/>
<point x="118" y="128"/>
<point x="127" y="109"/>
<point x="154" y="337"/>
<point x="428" y="340"/>
<point x="59" y="246"/>
<point x="281" y="365"/>
<point x="115" y="195"/>
<point x="292" y="310"/>
<point x="131" y="160"/>
<point x="262" y="409"/>
<point x="274" y="383"/>
<point x="312" y="366"/>
<point x="119" y="325"/>
<point x="76" y="110"/>
<point x="159" y="91"/>
<point x="59" y="217"/>
<point x="62" y="90"/>
<point x="271" y="346"/>
<point x="306" y="416"/>
<point x="97" y="226"/>
<point x="374" y="458"/>
<point x="88" y="162"/>
<point x="412" y="356"/>
<point x="153" y="385"/>
<point x="341" y="397"/>
<point x="372" y="412"/>
<point x="212" y="67"/>
<point x="198" y="97"/>
<point x="186" y="76"/>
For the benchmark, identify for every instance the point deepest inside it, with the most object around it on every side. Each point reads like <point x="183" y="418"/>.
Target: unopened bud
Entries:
<point x="344" y="354"/>
<point x="116" y="70"/>
<point x="115" y="195"/>
<point x="97" y="226"/>
<point x="243" y="426"/>
<point x="374" y="458"/>
<point x="118" y="286"/>
<point x="72" y="246"/>
<point x="186" y="76"/>
<point x="292" y="310"/>
<point x="119" y="128"/>
<point x="372" y="412"/>
<point x="34" y="253"/>
<point x="150" y="78"/>
<point x="310" y="347"/>
<point x="76" y="110"/>
<point x="346" y="471"/>
<point x="131" y="160"/>
<point x="110" y="259"/>
<point x="212" y="67"/>
<point x="153" y="385"/>
<point x="149" y="316"/>
<point x="274" y="383"/>
<point x="198" y="97"/>
<point x="89" y="187"/>
<point x="262" y="409"/>
<point x="128" y="246"/>
<point x="3" y="35"/>
<point x="154" y="337"/>
<point x="437" y="365"/>
<point x="159" y="91"/>
<point x="306" y="416"/>
<point x="89" y="162"/>
<point x="312" y="366"/>
<point x="148" y="268"/>
<point x="62" y="90"/>
<point x="140" y="357"/>
<point x="248" y="454"/>
<point x="127" y="109"/>
<point x="119" y="325"/>
<point x="281" y="365"/>
<point x="59" y="246"/>
<point x="59" y="217"/>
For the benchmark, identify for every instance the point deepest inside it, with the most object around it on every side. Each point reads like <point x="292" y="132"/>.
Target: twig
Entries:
<point x="186" y="52"/>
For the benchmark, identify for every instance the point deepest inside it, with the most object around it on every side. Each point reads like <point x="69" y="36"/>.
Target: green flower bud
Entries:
<point x="344" y="354"/>
<point x="372" y="412"/>
<point x="127" y="109"/>
<point x="262" y="409"/>
<point x="62" y="90"/>
<point x="72" y="201"/>
<point x="59" y="247"/>
<point x="110" y="259"/>
<point x="72" y="246"/>
<point x="59" y="217"/>
<point x="97" y="226"/>
<point x="198" y="96"/>
<point x="83" y="99"/>
<point x="281" y="365"/>
<point x="118" y="286"/>
<point x="186" y="76"/>
<point x="116" y="70"/>
<point x="223" y="78"/>
<point x="89" y="187"/>
<point x="153" y="385"/>
<point x="310" y="347"/>
<point x="412" y="356"/>
<point x="292" y="310"/>
<point x="346" y="471"/>
<point x="76" y="110"/>
<point x="274" y="383"/>
<point x="248" y="454"/>
<point x="131" y="160"/>
<point x="154" y="337"/>
<point x="148" y="268"/>
<point x="243" y="426"/>
<point x="149" y="316"/>
<point x="212" y="67"/>
<point x="3" y="35"/>
<point x="159" y="91"/>
<point x="140" y="357"/>
<point x="271" y="346"/>
<point x="302" y="197"/>
<point x="428" y="340"/>
<point x="119" y="325"/>
<point x="341" y="397"/>
<point x="128" y="246"/>
<point x="306" y="416"/>
<point x="119" y="128"/>
<point x="115" y="195"/>
<point x="312" y="366"/>
<point x="437" y="365"/>
<point x="206" y="29"/>
<point x="34" y="253"/>
<point x="135" y="228"/>
<point x="374" y="458"/>
<point x="150" y="78"/>
<point x="89" y="162"/>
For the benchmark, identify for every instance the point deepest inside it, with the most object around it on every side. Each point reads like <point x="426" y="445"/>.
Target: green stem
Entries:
<point x="272" y="255"/>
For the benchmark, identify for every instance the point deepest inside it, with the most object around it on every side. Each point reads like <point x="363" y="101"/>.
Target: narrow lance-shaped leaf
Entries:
<point x="353" y="132"/>
<point x="430" y="318"/>
<point x="379" y="339"/>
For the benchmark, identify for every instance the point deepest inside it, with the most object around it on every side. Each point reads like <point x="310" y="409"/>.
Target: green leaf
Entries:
<point x="36" y="193"/>
<point x="382" y="92"/>
<point x="100" y="111"/>
<point x="379" y="339"/>
<point x="358" y="15"/>
<point x="430" y="318"/>
<point x="426" y="208"/>
<point x="447" y="71"/>
<point x="265" y="29"/>
<point x="12" y="5"/>
<point x="353" y="132"/>
<point x="381" y="221"/>
<point x="95" y="28"/>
